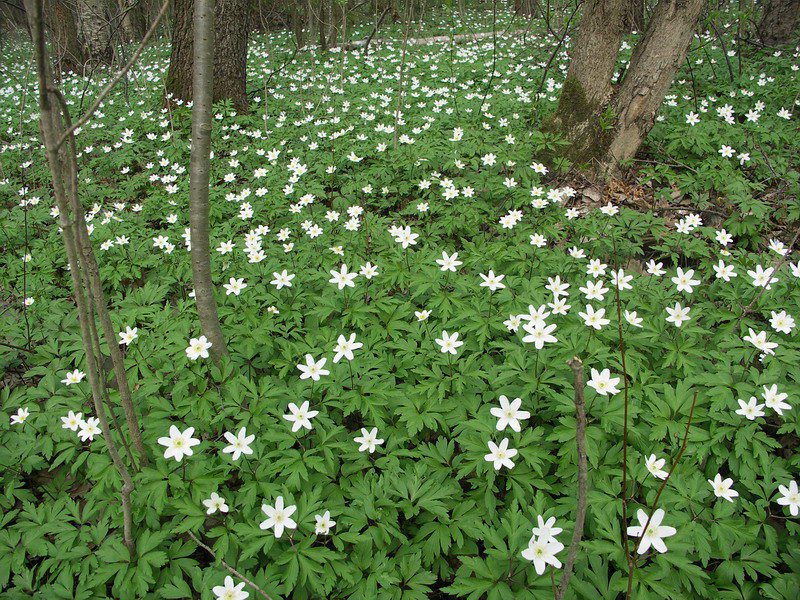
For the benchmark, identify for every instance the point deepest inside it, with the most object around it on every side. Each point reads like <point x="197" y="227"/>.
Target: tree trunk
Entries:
<point x="655" y="60"/>
<point x="605" y="124"/>
<point x="634" y="16"/>
<point x="230" y="52"/>
<point x="778" y="24"/>
<point x="63" y="28"/>
<point x="199" y="168"/>
<point x="132" y="21"/>
<point x="524" y="7"/>
<point x="593" y="60"/>
<point x="95" y="30"/>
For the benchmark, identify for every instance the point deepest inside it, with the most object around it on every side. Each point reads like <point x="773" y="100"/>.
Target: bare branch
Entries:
<point x="230" y="569"/>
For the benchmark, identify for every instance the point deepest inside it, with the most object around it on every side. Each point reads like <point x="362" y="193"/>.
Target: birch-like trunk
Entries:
<point x="199" y="170"/>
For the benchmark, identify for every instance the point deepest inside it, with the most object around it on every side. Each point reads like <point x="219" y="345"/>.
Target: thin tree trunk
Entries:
<point x="199" y="168"/>
<point x="778" y="24"/>
<point x="64" y="175"/>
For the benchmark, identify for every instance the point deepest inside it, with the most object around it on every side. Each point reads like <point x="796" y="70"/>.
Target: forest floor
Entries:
<point x="394" y="267"/>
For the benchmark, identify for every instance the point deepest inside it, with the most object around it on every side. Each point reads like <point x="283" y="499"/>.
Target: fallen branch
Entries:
<point x="583" y="475"/>
<point x="437" y="39"/>
<point x="230" y="569"/>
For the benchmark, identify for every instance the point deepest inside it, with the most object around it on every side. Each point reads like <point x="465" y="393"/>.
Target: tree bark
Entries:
<point x="230" y="52"/>
<point x="605" y="124"/>
<point x="95" y="30"/>
<point x="199" y="169"/>
<point x="778" y="24"/>
<point x="593" y="60"/>
<point x="63" y="27"/>
<point x="230" y="63"/>
<point x="634" y="16"/>
<point x="655" y="60"/>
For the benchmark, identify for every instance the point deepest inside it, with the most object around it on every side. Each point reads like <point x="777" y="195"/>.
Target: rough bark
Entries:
<point x="132" y="20"/>
<point x="230" y="62"/>
<point x="230" y="52"/>
<point x="634" y="16"/>
<point x="95" y="30"/>
<point x="778" y="24"/>
<point x="588" y="86"/>
<point x="656" y="58"/>
<point x="62" y="26"/>
<point x="199" y="169"/>
<point x="605" y="124"/>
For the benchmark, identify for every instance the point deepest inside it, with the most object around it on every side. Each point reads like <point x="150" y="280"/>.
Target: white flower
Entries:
<point x="215" y="503"/>
<point x="791" y="497"/>
<point x="542" y="553"/>
<point x="20" y="417"/>
<point x="782" y="322"/>
<point x="278" y="517"/>
<point x="72" y="421"/>
<point x="539" y="334"/>
<point x="763" y="277"/>
<point x="678" y="315"/>
<point x="656" y="466"/>
<point x="546" y="530"/>
<point x="603" y="383"/>
<point x="492" y="281"/>
<point x="722" y="488"/>
<point x="89" y="428"/>
<point x="750" y="409"/>
<point x="655" y="531"/>
<point x="323" y="523"/>
<point x="368" y="440"/>
<point x="508" y="414"/>
<point x="449" y="343"/>
<point x="594" y="318"/>
<point x="724" y="271"/>
<point x="282" y="279"/>
<point x="684" y="280"/>
<point x="775" y="400"/>
<point x="300" y="417"/>
<point x="179" y="444"/>
<point x="500" y="455"/>
<point x="759" y="340"/>
<point x="127" y="336"/>
<point x="632" y="318"/>
<point x="313" y="369"/>
<point x="342" y="278"/>
<point x="344" y="347"/>
<point x="449" y="263"/>
<point x="235" y="286"/>
<point x="75" y="376"/>
<point x="198" y="348"/>
<point x="239" y="444"/>
<point x="230" y="591"/>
